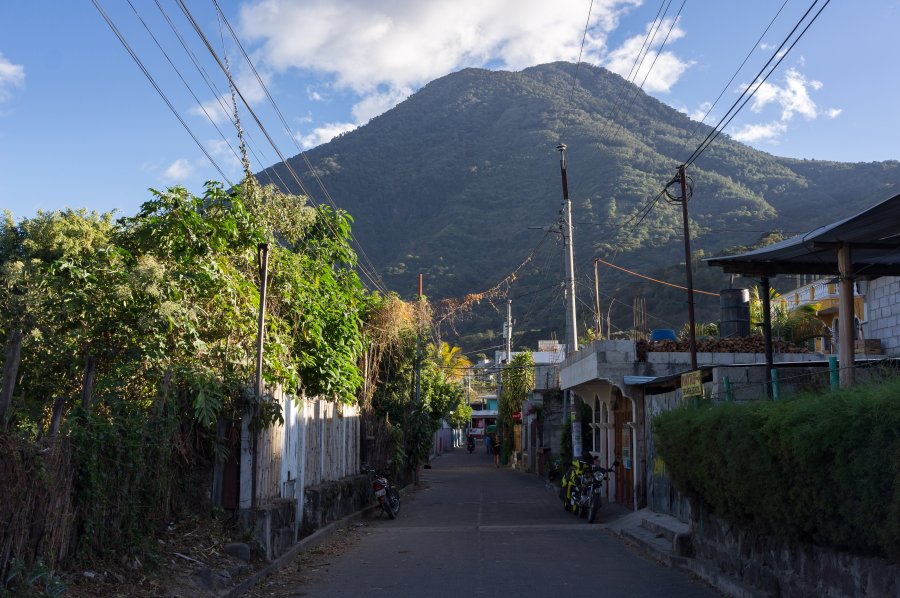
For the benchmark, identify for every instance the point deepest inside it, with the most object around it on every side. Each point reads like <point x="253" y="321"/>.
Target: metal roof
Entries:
<point x="873" y="236"/>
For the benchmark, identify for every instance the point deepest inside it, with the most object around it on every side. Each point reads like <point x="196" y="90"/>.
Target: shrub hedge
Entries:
<point x="818" y="468"/>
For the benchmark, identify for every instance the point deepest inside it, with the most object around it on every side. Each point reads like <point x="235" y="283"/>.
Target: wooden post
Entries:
<point x="845" y="313"/>
<point x="767" y="331"/>
<point x="10" y="371"/>
<point x="56" y="418"/>
<point x="90" y="370"/>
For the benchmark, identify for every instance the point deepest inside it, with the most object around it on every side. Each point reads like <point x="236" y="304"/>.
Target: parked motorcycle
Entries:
<point x="582" y="488"/>
<point x="387" y="496"/>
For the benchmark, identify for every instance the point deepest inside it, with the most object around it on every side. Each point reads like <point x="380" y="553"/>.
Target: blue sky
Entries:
<point x="80" y="125"/>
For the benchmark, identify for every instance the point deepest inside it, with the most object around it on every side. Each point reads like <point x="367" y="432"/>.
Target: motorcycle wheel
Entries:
<point x="391" y="503"/>
<point x="593" y="507"/>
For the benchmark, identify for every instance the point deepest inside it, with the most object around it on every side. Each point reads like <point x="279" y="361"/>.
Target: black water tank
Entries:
<point x="735" y="304"/>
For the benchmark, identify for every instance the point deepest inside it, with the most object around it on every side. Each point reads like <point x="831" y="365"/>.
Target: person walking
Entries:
<point x="497" y="450"/>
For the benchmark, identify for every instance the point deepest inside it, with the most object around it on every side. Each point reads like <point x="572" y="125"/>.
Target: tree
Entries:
<point x="517" y="379"/>
<point x="451" y="360"/>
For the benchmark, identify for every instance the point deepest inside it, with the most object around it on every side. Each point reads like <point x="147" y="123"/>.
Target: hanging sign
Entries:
<point x="692" y="384"/>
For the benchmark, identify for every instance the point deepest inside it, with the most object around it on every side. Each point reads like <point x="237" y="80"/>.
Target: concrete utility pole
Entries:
<point x="597" y="300"/>
<point x="571" y="327"/>
<point x="508" y="331"/>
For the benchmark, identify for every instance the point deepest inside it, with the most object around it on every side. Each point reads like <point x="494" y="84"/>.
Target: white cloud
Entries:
<point x="697" y="114"/>
<point x="178" y="171"/>
<point x="226" y="155"/>
<point x="220" y="109"/>
<point x="314" y="95"/>
<point x="792" y="96"/>
<point x="667" y="67"/>
<point x="405" y="43"/>
<point x="324" y="134"/>
<point x="765" y="132"/>
<point x="11" y="75"/>
<point x="383" y="51"/>
<point x="377" y="103"/>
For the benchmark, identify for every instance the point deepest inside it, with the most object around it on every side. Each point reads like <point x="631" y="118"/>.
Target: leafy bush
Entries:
<point x="820" y="468"/>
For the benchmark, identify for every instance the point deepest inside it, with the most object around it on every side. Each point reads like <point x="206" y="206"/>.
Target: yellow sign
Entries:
<point x="692" y="384"/>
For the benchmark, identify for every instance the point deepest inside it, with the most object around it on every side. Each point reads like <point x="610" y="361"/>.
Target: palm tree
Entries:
<point x="451" y="360"/>
<point x="796" y="326"/>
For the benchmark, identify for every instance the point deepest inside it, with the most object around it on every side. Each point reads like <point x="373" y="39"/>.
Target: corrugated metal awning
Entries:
<point x="873" y="235"/>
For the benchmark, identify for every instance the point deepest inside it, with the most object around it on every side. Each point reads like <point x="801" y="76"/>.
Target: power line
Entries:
<point x="251" y="143"/>
<point x="735" y="109"/>
<point x="739" y="68"/>
<point x="365" y="258"/>
<point x="156" y="86"/>
<point x="578" y="64"/>
<point x="187" y="13"/>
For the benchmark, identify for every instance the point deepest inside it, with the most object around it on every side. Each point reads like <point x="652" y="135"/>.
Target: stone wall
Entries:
<point x="332" y="501"/>
<point x="781" y="568"/>
<point x="883" y="306"/>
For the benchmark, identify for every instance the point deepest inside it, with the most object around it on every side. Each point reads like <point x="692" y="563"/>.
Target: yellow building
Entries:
<point x="824" y="293"/>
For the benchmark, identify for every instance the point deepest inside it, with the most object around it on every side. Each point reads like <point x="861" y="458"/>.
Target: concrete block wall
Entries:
<point x="782" y="568"/>
<point x="883" y="306"/>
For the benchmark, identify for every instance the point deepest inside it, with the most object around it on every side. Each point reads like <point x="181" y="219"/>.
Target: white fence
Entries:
<point x="319" y="441"/>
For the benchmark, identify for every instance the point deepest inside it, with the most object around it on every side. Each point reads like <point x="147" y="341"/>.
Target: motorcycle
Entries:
<point x="387" y="496"/>
<point x="585" y="487"/>
<point x="470" y="444"/>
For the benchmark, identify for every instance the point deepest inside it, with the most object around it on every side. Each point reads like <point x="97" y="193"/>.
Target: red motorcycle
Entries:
<point x="387" y="496"/>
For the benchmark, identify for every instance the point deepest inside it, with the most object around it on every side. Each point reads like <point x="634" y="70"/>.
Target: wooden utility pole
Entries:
<point x="689" y="271"/>
<point x="767" y="333"/>
<point x="262" y="251"/>
<point x="846" y="323"/>
<point x="419" y="344"/>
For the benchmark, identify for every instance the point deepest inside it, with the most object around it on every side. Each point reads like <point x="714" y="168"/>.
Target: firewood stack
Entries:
<point x="745" y="344"/>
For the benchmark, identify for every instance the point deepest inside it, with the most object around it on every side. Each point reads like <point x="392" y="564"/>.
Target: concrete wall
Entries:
<point x="662" y="497"/>
<point x="883" y="305"/>
<point x="781" y="568"/>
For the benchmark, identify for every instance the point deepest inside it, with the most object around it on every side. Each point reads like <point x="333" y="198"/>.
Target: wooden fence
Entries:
<point x="318" y="442"/>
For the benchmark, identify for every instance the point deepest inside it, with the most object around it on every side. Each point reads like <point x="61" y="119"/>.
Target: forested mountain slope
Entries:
<point x="448" y="183"/>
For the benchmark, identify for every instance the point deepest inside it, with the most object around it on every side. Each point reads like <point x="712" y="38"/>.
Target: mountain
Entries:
<point x="452" y="182"/>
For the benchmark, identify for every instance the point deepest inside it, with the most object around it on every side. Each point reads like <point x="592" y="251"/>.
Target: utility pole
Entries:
<point x="262" y="253"/>
<point x="597" y="300"/>
<point x="508" y="331"/>
<point x="571" y="327"/>
<point x="419" y="345"/>
<point x="692" y="334"/>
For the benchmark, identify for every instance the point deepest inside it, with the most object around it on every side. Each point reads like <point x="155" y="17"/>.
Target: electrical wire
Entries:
<point x="156" y="86"/>
<point x="190" y="17"/>
<point x="738" y="70"/>
<point x="745" y="97"/>
<point x="364" y="256"/>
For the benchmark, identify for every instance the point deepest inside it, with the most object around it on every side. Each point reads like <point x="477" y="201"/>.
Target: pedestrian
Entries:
<point x="497" y="451"/>
<point x="488" y="445"/>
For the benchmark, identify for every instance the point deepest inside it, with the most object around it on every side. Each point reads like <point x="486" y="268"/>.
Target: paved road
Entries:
<point x="472" y="530"/>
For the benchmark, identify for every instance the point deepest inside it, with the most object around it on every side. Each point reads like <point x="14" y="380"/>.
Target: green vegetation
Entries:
<point x="822" y="468"/>
<point x="165" y="304"/>
<point x="485" y="169"/>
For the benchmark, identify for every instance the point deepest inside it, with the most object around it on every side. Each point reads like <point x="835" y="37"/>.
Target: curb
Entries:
<point x="306" y="543"/>
<point x="310" y="541"/>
